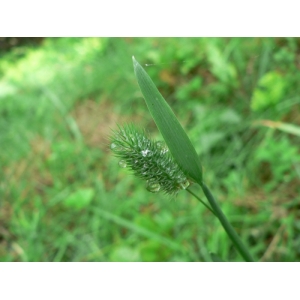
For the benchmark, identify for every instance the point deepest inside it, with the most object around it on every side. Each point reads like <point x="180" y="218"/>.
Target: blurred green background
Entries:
<point x="63" y="196"/>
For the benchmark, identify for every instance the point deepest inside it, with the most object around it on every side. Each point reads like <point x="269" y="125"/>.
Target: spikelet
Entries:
<point x="148" y="160"/>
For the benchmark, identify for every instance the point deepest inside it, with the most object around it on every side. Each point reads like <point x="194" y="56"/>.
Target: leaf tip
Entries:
<point x="133" y="59"/>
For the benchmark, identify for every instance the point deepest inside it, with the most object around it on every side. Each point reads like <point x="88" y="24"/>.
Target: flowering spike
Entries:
<point x="148" y="160"/>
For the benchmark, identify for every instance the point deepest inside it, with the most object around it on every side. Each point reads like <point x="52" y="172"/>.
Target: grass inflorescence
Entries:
<point x="148" y="159"/>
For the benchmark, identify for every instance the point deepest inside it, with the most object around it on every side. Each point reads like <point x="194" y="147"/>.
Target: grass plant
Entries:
<point x="152" y="162"/>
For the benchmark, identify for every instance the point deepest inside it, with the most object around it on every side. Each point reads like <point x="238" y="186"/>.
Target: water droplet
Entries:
<point x="163" y="148"/>
<point x="122" y="163"/>
<point x="180" y="179"/>
<point x="160" y="144"/>
<point x="185" y="184"/>
<point x="146" y="152"/>
<point x="153" y="187"/>
<point x="113" y="146"/>
<point x="116" y="147"/>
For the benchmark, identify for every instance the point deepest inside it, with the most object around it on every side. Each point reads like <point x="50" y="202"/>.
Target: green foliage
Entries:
<point x="189" y="89"/>
<point x="276" y="160"/>
<point x="220" y="66"/>
<point x="59" y="101"/>
<point x="79" y="199"/>
<point x="270" y="90"/>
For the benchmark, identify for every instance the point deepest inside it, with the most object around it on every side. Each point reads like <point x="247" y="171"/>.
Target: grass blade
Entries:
<point x="285" y="127"/>
<point x="174" y="135"/>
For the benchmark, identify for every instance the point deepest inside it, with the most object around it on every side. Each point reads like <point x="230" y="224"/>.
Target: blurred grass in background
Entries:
<point x="63" y="196"/>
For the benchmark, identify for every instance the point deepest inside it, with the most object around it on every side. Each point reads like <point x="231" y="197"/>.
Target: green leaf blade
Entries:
<point x="174" y="135"/>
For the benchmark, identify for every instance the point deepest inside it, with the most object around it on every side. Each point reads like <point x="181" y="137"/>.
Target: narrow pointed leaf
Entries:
<point x="286" y="127"/>
<point x="175" y="137"/>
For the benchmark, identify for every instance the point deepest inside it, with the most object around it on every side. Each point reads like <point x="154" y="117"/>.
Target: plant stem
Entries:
<point x="226" y="225"/>
<point x="188" y="190"/>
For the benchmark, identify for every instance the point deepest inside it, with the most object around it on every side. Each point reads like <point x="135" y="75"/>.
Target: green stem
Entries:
<point x="188" y="190"/>
<point x="226" y="225"/>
